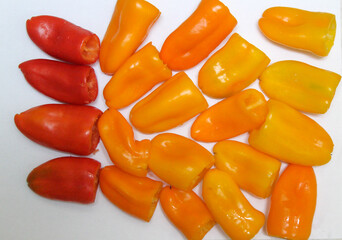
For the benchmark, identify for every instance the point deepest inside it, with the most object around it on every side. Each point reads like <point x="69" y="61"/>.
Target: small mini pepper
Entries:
<point x="232" y="68"/>
<point x="302" y="86"/>
<point x="300" y="29"/>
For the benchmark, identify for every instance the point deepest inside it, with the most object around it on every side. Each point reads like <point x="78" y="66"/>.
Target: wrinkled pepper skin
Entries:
<point x="302" y="86"/>
<point x="231" y="117"/>
<point x="129" y="26"/>
<point x="137" y="196"/>
<point x="179" y="161"/>
<point x="138" y="75"/>
<point x="66" y="178"/>
<point x="229" y="207"/>
<point x="63" y="40"/>
<point x="125" y="152"/>
<point x="68" y="128"/>
<point x="252" y="170"/>
<point x="232" y="68"/>
<point x="174" y="102"/>
<point x="292" y="137"/>
<point x="187" y="212"/>
<point x="198" y="36"/>
<point x="293" y="204"/>
<point x="300" y="29"/>
<point x="74" y="84"/>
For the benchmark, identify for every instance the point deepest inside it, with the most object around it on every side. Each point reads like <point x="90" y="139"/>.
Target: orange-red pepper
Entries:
<point x="135" y="77"/>
<point x="293" y="204"/>
<point x="229" y="207"/>
<point x="231" y="117"/>
<point x="118" y="138"/>
<point x="187" y="212"/>
<point x="129" y="26"/>
<point x="198" y="36"/>
<point x="232" y="68"/>
<point x="178" y="160"/>
<point x="171" y="104"/>
<point x="137" y="196"/>
<point x="251" y="170"/>
<point x="300" y="29"/>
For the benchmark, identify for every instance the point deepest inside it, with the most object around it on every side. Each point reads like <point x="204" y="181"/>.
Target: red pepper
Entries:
<point x="66" y="178"/>
<point x="69" y="128"/>
<point x="63" y="40"/>
<point x="64" y="82"/>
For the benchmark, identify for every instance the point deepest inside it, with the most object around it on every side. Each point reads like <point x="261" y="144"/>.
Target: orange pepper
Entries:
<point x="137" y="196"/>
<point x="293" y="203"/>
<point x="231" y="117"/>
<point x="300" y="85"/>
<point x="171" y="104"/>
<point x="292" y="137"/>
<point x="309" y="31"/>
<point x="229" y="207"/>
<point x="179" y="161"/>
<point x="251" y="170"/>
<point x="232" y="68"/>
<point x="129" y="26"/>
<point x="198" y="36"/>
<point x="187" y="212"/>
<point x="135" y="77"/>
<point x="118" y="138"/>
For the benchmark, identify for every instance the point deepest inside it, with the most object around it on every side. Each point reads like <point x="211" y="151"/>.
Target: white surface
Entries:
<point x="25" y="215"/>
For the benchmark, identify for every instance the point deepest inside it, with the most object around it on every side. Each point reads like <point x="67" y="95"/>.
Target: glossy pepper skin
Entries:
<point x="231" y="117"/>
<point x="232" y="68"/>
<point x="74" y="84"/>
<point x="179" y="161"/>
<point x="303" y="87"/>
<point x="293" y="204"/>
<point x="129" y="26"/>
<point x="125" y="152"/>
<point x="250" y="169"/>
<point x="300" y="29"/>
<point x="171" y="104"/>
<point x="138" y="75"/>
<point x="187" y="212"/>
<point x="66" y="178"/>
<point x="292" y="137"/>
<point x="137" y="196"/>
<point x="68" y="128"/>
<point x="63" y="40"/>
<point x="229" y="207"/>
<point x="198" y="36"/>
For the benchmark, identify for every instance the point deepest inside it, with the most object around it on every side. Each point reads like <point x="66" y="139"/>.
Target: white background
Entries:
<point x="25" y="215"/>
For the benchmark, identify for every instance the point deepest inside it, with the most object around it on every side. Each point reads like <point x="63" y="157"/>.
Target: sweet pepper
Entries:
<point x="292" y="137"/>
<point x="137" y="196"/>
<point x="129" y="26"/>
<point x="300" y="29"/>
<point x="230" y="117"/>
<point x="198" y="36"/>
<point x="179" y="161"/>
<point x="135" y="77"/>
<point x="232" y="68"/>
<point x="302" y="86"/>
<point x="171" y="104"/>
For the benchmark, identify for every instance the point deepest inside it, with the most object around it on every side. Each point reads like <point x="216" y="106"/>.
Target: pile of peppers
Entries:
<point x="278" y="130"/>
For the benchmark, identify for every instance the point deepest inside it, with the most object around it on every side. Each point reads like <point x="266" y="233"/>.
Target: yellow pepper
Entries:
<point x="251" y="170"/>
<point x="232" y="68"/>
<point x="229" y="207"/>
<point x="310" y="31"/>
<point x="129" y="26"/>
<point x="302" y="86"/>
<point x="135" y="77"/>
<point x="171" y="104"/>
<point x="292" y="137"/>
